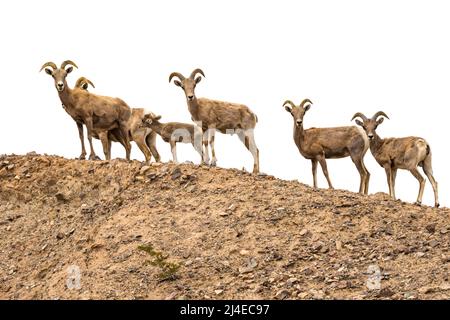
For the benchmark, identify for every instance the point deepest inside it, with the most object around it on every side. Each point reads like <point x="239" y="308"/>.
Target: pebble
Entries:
<point x="282" y="294"/>
<point x="304" y="232"/>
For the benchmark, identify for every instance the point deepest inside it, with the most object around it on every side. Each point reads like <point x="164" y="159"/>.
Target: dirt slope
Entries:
<point x="234" y="235"/>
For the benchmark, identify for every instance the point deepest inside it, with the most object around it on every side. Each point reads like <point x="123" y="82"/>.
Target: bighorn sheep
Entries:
<point x="319" y="144"/>
<point x="144" y="138"/>
<point x="96" y="112"/>
<point x="174" y="132"/>
<point x="212" y="115"/>
<point x="399" y="153"/>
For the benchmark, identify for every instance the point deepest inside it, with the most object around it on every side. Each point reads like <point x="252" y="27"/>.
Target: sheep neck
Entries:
<point x="193" y="108"/>
<point x="66" y="96"/>
<point x="376" y="143"/>
<point x="299" y="136"/>
<point x="157" y="127"/>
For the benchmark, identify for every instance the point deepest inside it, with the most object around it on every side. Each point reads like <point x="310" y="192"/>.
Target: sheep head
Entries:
<point x="83" y="83"/>
<point x="370" y="125"/>
<point x="297" y="112"/>
<point x="59" y="74"/>
<point x="187" y="84"/>
<point x="149" y="119"/>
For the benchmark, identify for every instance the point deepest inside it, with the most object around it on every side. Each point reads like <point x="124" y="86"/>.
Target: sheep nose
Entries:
<point x="370" y="136"/>
<point x="190" y="97"/>
<point x="299" y="122"/>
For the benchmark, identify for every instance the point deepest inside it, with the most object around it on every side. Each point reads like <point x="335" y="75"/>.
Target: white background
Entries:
<point x="346" y="56"/>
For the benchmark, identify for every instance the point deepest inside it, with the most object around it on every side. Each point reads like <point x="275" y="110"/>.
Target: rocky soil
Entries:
<point x="232" y="235"/>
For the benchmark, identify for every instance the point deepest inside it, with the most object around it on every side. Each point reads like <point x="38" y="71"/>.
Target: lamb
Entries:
<point x="399" y="153"/>
<point x="144" y="138"/>
<point x="97" y="112"/>
<point x="319" y="144"/>
<point x="174" y="132"/>
<point x="212" y="115"/>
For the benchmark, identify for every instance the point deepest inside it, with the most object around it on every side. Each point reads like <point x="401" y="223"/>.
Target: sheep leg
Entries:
<point x="81" y="135"/>
<point x="250" y="144"/>
<point x="211" y="143"/>
<point x="314" y="172"/>
<point x="393" y="178"/>
<point x="427" y="168"/>
<point x="150" y="140"/>
<point x="126" y="139"/>
<point x="105" y="143"/>
<point x="323" y="164"/>
<point x="387" y="168"/>
<point x="366" y="185"/>
<point x="362" y="173"/>
<point x="205" y="147"/>
<point x="140" y="141"/>
<point x="421" y="180"/>
<point x="173" y="148"/>
<point x="89" y="127"/>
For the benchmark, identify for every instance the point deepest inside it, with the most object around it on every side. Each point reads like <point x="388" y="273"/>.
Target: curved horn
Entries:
<point x="67" y="62"/>
<point x="176" y="74"/>
<point x="82" y="80"/>
<point x="360" y="115"/>
<point x="289" y="102"/>
<point x="379" y="114"/>
<point x="305" y="102"/>
<point x="195" y="72"/>
<point x="49" y="64"/>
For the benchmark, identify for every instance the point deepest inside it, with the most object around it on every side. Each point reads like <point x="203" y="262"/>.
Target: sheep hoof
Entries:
<point x="213" y="164"/>
<point x="437" y="205"/>
<point x="418" y="203"/>
<point x="82" y="157"/>
<point x="94" y="157"/>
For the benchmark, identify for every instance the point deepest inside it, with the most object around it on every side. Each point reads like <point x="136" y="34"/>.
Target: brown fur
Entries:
<point x="318" y="144"/>
<point x="174" y="132"/>
<point x="212" y="115"/>
<point x="399" y="153"/>
<point x="98" y="113"/>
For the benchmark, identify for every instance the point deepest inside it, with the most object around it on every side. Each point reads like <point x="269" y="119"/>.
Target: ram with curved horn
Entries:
<point x="212" y="115"/>
<point x="145" y="138"/>
<point x="85" y="107"/>
<point x="319" y="144"/>
<point x="399" y="153"/>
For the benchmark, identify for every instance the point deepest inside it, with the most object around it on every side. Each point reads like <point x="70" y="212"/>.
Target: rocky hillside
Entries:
<point x="74" y="229"/>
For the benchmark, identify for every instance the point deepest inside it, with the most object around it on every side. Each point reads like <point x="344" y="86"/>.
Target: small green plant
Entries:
<point x="168" y="269"/>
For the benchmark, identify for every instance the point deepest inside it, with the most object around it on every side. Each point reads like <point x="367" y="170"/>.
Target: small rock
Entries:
<point x="386" y="293"/>
<point x="232" y="208"/>
<point x="445" y="286"/>
<point x="176" y="174"/>
<point x="244" y="252"/>
<point x="303" y="295"/>
<point x="8" y="228"/>
<point x="156" y="164"/>
<point x="282" y="294"/>
<point x="11" y="166"/>
<point x="304" y="232"/>
<point x="217" y="292"/>
<point x="60" y="236"/>
<point x="420" y="254"/>
<point x="338" y="245"/>
<point x="431" y="228"/>
<point x="144" y="169"/>
<point x="291" y="282"/>
<point x="224" y="213"/>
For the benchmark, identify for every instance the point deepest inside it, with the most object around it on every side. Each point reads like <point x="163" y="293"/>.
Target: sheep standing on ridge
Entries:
<point x="212" y="115"/>
<point x="399" y="153"/>
<point x="98" y="113"/>
<point x="143" y="137"/>
<point x="174" y="132"/>
<point x="319" y="144"/>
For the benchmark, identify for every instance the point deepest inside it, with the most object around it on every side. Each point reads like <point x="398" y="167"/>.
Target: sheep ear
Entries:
<point x="198" y="79"/>
<point x="380" y="121"/>
<point x="158" y="118"/>
<point x="307" y="107"/>
<point x="288" y="108"/>
<point x="359" y="123"/>
<point x="69" y="69"/>
<point x="49" y="71"/>
<point x="85" y="86"/>
<point x="177" y="83"/>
